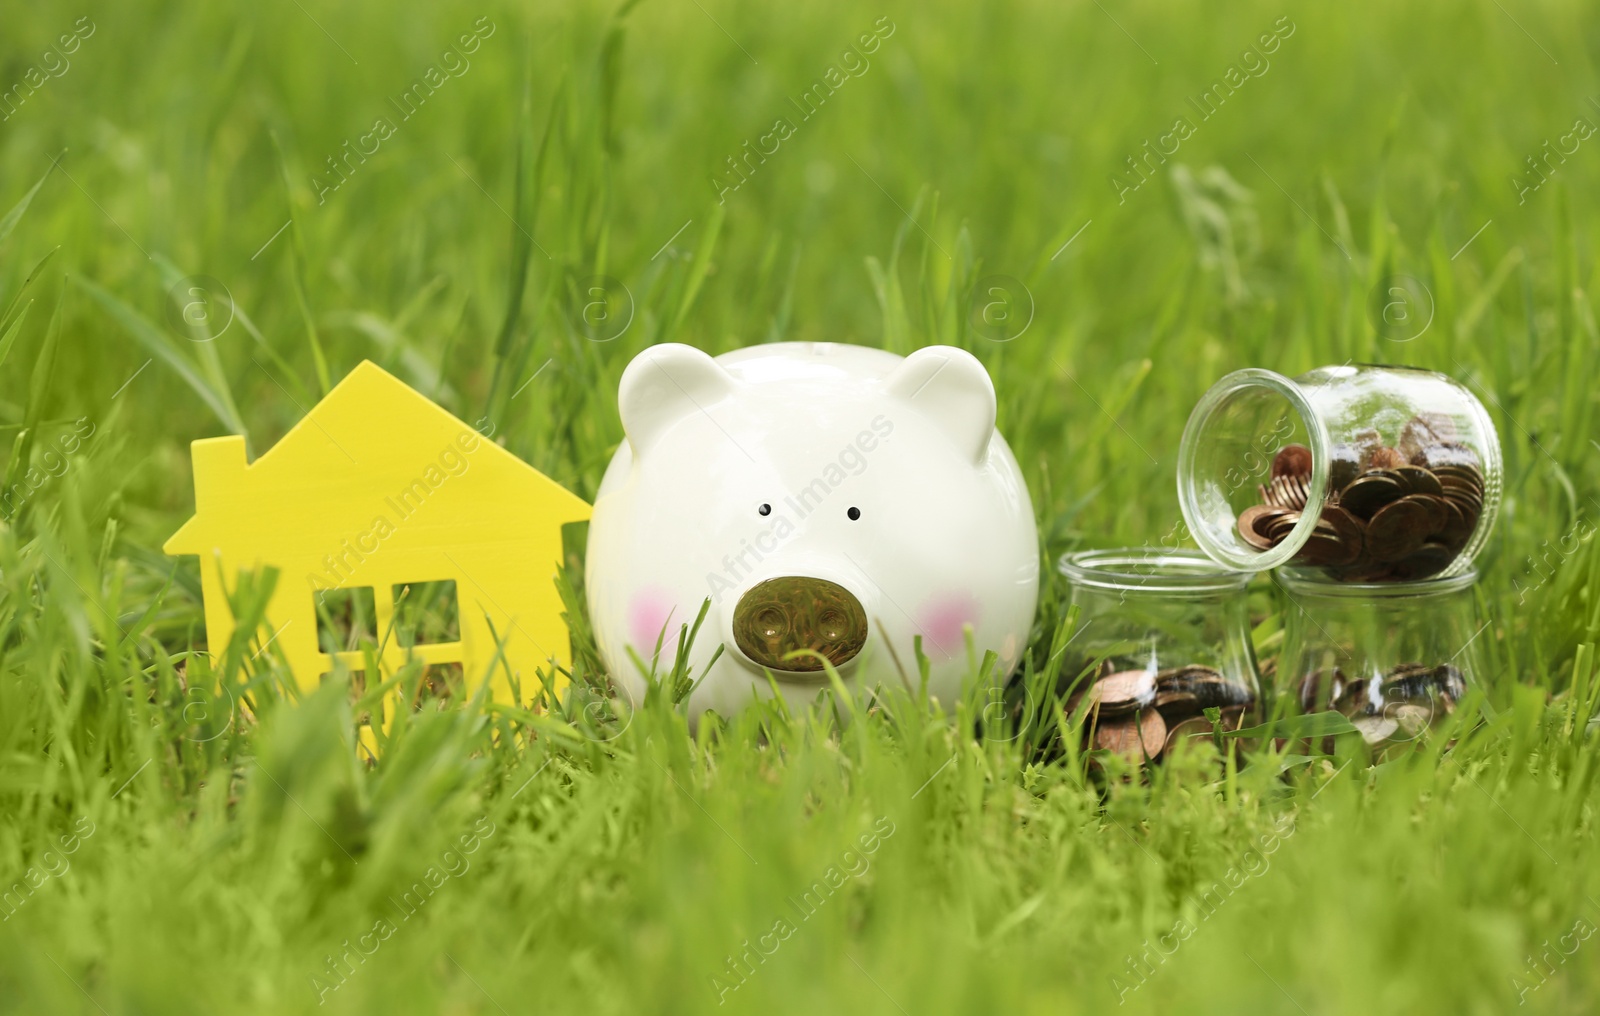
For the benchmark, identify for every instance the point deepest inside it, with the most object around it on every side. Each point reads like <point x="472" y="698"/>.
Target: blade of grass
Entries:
<point x="297" y="274"/>
<point x="164" y="348"/>
<point x="12" y="217"/>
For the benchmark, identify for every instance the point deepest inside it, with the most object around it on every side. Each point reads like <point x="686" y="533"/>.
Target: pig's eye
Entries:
<point x="853" y="514"/>
<point x="765" y="509"/>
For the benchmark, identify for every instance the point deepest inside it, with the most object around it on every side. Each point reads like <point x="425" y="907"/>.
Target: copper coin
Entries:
<point x="1123" y="692"/>
<point x="1233" y="717"/>
<point x="1419" y="480"/>
<point x="1279" y="528"/>
<point x="1135" y="738"/>
<point x="1429" y="560"/>
<point x="1370" y="492"/>
<point x="1193" y="727"/>
<point x="1449" y="456"/>
<point x="1348" y="528"/>
<point x="1438" y="513"/>
<point x="1322" y="550"/>
<point x="1292" y="460"/>
<point x="1465" y="472"/>
<point x="1461" y="486"/>
<point x="1347" y="536"/>
<point x="1253" y="521"/>
<point x="1200" y="687"/>
<point x="1119" y="735"/>
<point x="1408" y="682"/>
<point x="1152" y="733"/>
<point x="1458" y="525"/>
<point x="1287" y="492"/>
<point x="1398" y="529"/>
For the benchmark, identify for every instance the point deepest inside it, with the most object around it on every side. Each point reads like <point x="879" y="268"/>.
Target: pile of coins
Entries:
<point x="1141" y="715"/>
<point x="1392" y="514"/>
<point x="1392" y="708"/>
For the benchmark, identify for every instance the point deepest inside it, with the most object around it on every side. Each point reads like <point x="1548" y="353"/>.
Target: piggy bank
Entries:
<point x="832" y="502"/>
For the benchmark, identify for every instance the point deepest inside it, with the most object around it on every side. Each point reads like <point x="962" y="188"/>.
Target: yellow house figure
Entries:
<point x="376" y="494"/>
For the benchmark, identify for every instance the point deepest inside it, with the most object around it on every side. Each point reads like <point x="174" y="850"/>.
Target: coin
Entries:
<point x="1375" y="729"/>
<point x="1292" y="460"/>
<point x="1194" y="688"/>
<point x="1253" y="522"/>
<point x="1360" y="536"/>
<point x="1458" y="526"/>
<point x="1286" y="492"/>
<point x="1433" y="557"/>
<point x="1279" y="528"/>
<point x="1398" y="530"/>
<point x="1194" y="726"/>
<point x="1448" y="454"/>
<point x="1467" y="473"/>
<point x="1412" y="717"/>
<point x="1419" y="480"/>
<point x="1323" y="549"/>
<point x="1135" y="738"/>
<point x="1369" y="492"/>
<point x="1152" y="733"/>
<point x="1119" y="735"/>
<point x="1122" y="692"/>
<point x="1408" y="682"/>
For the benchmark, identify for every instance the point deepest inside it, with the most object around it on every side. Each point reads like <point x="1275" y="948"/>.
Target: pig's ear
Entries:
<point x="662" y="385"/>
<point x="950" y="387"/>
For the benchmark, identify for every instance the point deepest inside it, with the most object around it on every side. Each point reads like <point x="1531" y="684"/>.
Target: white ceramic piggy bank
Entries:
<point x="831" y="498"/>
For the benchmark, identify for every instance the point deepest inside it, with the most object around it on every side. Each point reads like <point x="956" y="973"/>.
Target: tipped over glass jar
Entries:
<point x="1364" y="474"/>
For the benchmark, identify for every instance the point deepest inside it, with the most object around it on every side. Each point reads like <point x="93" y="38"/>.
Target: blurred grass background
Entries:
<point x="231" y="856"/>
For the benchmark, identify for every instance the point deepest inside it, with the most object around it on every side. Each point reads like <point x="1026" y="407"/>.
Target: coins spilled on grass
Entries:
<point x="1392" y="708"/>
<point x="1391" y="514"/>
<point x="1142" y="715"/>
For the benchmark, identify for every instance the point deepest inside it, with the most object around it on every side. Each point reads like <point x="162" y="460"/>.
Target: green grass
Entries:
<point x="619" y="864"/>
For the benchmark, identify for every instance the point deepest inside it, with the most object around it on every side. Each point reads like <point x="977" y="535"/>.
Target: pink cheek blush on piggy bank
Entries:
<point x="829" y="499"/>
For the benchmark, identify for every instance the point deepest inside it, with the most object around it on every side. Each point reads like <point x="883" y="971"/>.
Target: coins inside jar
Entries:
<point x="1142" y="715"/>
<point x="1393" y="707"/>
<point x="1391" y="513"/>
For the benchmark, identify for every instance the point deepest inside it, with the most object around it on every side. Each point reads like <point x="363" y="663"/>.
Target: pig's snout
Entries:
<point x="779" y="616"/>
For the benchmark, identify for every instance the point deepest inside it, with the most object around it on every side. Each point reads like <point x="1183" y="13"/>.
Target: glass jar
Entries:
<point x="1394" y="658"/>
<point x="1162" y="636"/>
<point x="1362" y="474"/>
